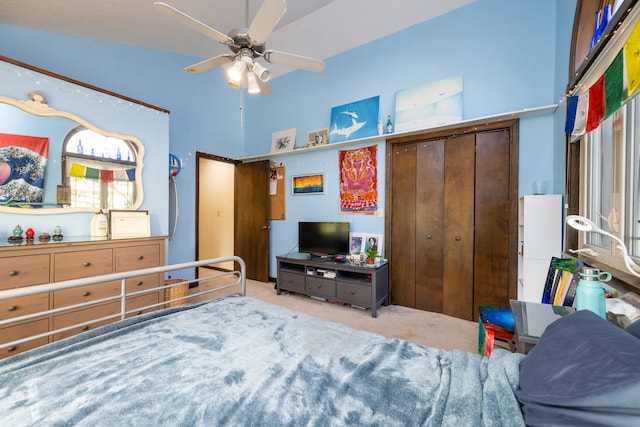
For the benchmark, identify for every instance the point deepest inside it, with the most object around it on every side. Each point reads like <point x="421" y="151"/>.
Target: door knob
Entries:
<point x="458" y="238"/>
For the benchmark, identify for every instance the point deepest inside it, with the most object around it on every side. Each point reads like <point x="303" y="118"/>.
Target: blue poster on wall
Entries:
<point x="355" y="120"/>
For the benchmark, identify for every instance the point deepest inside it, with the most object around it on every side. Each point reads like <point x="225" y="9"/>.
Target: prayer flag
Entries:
<point x="632" y="57"/>
<point x="572" y="109"/>
<point x="613" y="85"/>
<point x="77" y="170"/>
<point x="580" y="125"/>
<point x="106" y="176"/>
<point x="596" y="104"/>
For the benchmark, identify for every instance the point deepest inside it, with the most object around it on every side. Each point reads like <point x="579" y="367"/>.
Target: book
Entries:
<point x="561" y="282"/>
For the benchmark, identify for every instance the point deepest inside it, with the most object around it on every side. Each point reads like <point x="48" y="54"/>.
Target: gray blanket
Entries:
<point x="241" y="361"/>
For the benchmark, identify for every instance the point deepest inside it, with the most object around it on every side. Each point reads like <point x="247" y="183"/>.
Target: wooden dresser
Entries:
<point x="57" y="261"/>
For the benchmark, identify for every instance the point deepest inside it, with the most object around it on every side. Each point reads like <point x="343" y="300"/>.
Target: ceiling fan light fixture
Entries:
<point x="252" y="83"/>
<point x="236" y="71"/>
<point x="262" y="72"/>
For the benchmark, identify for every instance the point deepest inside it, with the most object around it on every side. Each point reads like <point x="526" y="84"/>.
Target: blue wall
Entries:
<point x="512" y="55"/>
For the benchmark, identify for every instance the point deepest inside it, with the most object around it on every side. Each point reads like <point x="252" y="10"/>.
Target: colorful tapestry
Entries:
<point x="23" y="161"/>
<point x="359" y="181"/>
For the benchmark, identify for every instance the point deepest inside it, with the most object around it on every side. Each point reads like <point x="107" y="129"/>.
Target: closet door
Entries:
<point x="495" y="207"/>
<point x="402" y="227"/>
<point x="458" y="244"/>
<point x="429" y="229"/>
<point x="452" y="224"/>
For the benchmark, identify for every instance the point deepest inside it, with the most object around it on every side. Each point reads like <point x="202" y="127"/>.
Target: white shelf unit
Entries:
<point x="540" y="238"/>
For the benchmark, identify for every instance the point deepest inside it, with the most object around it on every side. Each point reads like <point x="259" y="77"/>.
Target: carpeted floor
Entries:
<point x="394" y="321"/>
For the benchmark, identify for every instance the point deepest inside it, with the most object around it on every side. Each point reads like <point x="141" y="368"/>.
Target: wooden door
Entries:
<point x="452" y="220"/>
<point x="252" y="218"/>
<point x="495" y="245"/>
<point x="459" y="181"/>
<point x="429" y="228"/>
<point x="402" y="228"/>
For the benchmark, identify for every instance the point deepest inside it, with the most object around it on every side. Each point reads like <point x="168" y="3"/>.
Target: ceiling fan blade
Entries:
<point x="265" y="87"/>
<point x="295" y="61"/>
<point x="266" y="20"/>
<point x="193" y="23"/>
<point x="208" y="64"/>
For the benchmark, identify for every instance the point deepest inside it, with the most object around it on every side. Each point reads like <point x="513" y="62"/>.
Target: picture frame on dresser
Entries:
<point x="124" y="224"/>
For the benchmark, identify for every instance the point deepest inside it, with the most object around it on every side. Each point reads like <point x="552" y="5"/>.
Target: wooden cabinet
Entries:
<point x="362" y="286"/>
<point x="54" y="262"/>
<point x="452" y="219"/>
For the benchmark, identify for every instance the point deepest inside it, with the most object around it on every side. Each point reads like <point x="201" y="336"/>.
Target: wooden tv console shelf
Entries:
<point x="355" y="284"/>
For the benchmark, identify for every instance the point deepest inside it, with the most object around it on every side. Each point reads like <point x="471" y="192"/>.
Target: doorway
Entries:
<point x="232" y="211"/>
<point x="214" y="208"/>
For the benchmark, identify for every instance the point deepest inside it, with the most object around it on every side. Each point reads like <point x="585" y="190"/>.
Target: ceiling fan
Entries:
<point x="247" y="45"/>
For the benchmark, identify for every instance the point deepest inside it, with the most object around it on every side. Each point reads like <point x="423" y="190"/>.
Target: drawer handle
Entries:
<point x="86" y="293"/>
<point x="319" y="286"/>
<point x="353" y="292"/>
<point x="11" y="348"/>
<point x="85" y="328"/>
<point x="140" y="257"/>
<point x="86" y="263"/>
<point x="140" y="283"/>
<point x="139" y="312"/>
<point x="13" y="273"/>
<point x="13" y="308"/>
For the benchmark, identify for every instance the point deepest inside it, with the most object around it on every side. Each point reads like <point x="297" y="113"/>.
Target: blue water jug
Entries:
<point x="589" y="294"/>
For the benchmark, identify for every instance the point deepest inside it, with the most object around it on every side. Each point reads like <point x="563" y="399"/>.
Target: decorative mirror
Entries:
<point x="53" y="161"/>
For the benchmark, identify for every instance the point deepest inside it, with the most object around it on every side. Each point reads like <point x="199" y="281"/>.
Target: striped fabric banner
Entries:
<point x="104" y="175"/>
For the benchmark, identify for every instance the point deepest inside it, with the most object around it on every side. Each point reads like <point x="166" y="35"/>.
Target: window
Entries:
<point x="610" y="183"/>
<point x="98" y="171"/>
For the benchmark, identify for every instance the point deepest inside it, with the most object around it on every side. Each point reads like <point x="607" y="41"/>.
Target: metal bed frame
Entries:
<point x="122" y="297"/>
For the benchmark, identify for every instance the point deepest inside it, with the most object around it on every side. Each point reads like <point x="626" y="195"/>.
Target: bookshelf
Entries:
<point x="539" y="239"/>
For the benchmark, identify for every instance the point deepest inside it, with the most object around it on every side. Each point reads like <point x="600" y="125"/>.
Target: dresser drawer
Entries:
<point x="12" y="333"/>
<point x="137" y="257"/>
<point x="355" y="294"/>
<point x="15" y="307"/>
<point x="140" y="283"/>
<point x="291" y="281"/>
<point x="77" y="264"/>
<point x="83" y="315"/>
<point x="86" y="293"/>
<point x="319" y="286"/>
<point x="140" y="301"/>
<point x="17" y="271"/>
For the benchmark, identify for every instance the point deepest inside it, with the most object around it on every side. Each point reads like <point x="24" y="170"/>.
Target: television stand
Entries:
<point x="355" y="284"/>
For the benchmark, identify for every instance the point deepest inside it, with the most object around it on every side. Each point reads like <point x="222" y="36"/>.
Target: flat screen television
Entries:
<point x="323" y="238"/>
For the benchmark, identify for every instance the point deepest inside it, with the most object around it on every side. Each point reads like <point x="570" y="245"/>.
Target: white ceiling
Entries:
<point x="313" y="28"/>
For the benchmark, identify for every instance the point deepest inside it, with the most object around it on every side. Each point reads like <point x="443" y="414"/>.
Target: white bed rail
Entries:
<point x="239" y="280"/>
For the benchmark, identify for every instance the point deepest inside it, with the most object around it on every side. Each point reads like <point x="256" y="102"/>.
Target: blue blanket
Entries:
<point x="241" y="361"/>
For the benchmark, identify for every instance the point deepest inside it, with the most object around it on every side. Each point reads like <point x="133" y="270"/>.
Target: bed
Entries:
<point x="237" y="360"/>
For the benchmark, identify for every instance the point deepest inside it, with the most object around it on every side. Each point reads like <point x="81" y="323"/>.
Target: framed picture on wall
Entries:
<point x="355" y="120"/>
<point x="307" y="184"/>
<point x="284" y="140"/>
<point x="317" y="137"/>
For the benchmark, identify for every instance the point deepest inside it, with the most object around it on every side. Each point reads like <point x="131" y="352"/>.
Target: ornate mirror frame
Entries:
<point x="38" y="107"/>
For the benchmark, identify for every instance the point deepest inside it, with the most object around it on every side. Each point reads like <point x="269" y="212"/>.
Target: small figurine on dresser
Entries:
<point x="29" y="233"/>
<point x="44" y="237"/>
<point x="57" y="233"/>
<point x="16" y="236"/>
